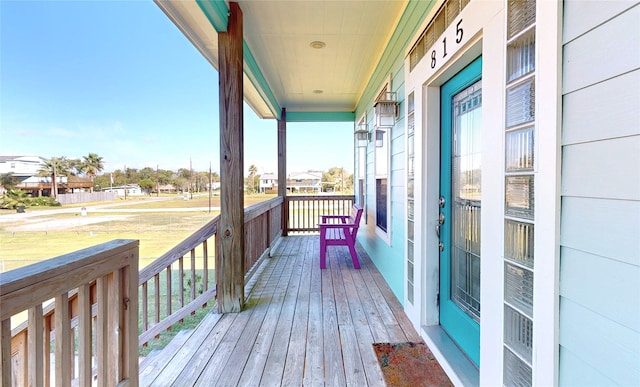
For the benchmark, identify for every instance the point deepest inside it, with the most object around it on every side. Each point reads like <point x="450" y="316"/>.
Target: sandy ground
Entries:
<point x="45" y="224"/>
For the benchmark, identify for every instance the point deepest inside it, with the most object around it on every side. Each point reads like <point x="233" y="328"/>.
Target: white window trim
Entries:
<point x="361" y="168"/>
<point x="384" y="235"/>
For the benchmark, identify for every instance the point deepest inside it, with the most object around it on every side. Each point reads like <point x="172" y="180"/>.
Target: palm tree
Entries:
<point x="92" y="165"/>
<point x="54" y="167"/>
<point x="252" y="174"/>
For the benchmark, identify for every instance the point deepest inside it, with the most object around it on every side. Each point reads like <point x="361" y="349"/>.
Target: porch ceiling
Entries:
<point x="281" y="67"/>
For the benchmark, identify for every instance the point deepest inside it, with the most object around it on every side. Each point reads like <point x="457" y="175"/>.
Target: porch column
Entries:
<point x="282" y="167"/>
<point x="230" y="260"/>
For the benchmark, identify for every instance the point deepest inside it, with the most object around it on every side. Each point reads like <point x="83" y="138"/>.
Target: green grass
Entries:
<point x="157" y="232"/>
<point x="189" y="321"/>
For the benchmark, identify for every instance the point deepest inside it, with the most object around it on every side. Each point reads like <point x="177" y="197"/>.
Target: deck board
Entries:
<point x="300" y="326"/>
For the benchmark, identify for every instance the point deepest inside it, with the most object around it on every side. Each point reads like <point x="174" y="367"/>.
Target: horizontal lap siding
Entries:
<point x="600" y="219"/>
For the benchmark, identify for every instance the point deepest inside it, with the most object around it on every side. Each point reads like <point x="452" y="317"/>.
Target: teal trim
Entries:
<point x="462" y="328"/>
<point x="217" y="12"/>
<point x="252" y="70"/>
<point x="320" y="117"/>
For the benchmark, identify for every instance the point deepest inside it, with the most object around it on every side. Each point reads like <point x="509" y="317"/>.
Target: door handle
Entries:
<point x="438" y="230"/>
<point x="441" y="218"/>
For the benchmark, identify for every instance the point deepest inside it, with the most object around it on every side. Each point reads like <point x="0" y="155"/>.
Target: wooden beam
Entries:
<point x="230" y="261"/>
<point x="282" y="166"/>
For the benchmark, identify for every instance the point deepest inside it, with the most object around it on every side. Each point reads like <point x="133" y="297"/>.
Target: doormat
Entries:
<point x="409" y="364"/>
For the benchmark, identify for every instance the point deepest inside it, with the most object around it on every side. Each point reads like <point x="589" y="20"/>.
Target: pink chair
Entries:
<point x="340" y="230"/>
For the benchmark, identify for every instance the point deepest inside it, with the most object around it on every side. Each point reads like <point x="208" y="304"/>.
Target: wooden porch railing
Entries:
<point x="92" y="322"/>
<point x="302" y="213"/>
<point x="99" y="292"/>
<point x="165" y="300"/>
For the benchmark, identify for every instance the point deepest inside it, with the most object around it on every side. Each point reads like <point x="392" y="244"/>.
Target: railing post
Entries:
<point x="5" y="352"/>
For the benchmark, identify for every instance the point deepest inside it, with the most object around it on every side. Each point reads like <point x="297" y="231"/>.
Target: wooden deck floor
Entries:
<point x="301" y="326"/>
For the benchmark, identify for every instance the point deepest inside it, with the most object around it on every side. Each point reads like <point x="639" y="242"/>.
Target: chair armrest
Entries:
<point x="341" y="217"/>
<point x="337" y="225"/>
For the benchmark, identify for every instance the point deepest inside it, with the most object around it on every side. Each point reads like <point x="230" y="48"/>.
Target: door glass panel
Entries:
<point x="465" y="184"/>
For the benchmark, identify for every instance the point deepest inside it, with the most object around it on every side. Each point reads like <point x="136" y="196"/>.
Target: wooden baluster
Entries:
<point x="145" y="308"/>
<point x="46" y="349"/>
<point x="35" y="346"/>
<point x="169" y="292"/>
<point x="84" y="335"/>
<point x="205" y="265"/>
<point x="114" y="321"/>
<point x="102" y="332"/>
<point x="5" y="352"/>
<point x="130" y="320"/>
<point x="156" y="301"/>
<point x="193" y="276"/>
<point x="181" y="282"/>
<point x="63" y="341"/>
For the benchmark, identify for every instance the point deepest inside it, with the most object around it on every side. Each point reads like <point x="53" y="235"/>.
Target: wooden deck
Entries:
<point x="300" y="326"/>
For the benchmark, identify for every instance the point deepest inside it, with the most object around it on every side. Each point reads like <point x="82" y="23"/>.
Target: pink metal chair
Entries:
<point x="340" y="230"/>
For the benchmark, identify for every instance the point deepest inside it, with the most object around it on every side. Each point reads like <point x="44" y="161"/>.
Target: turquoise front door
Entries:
<point x="460" y="199"/>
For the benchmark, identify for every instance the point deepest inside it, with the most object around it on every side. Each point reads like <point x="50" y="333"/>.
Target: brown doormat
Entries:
<point x="409" y="364"/>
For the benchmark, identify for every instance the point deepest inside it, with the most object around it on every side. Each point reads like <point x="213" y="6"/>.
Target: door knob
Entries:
<point x="441" y="245"/>
<point x="438" y="231"/>
<point x="441" y="218"/>
<point x="441" y="202"/>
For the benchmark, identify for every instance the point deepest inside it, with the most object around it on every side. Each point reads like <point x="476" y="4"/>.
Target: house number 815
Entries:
<point x="459" y="35"/>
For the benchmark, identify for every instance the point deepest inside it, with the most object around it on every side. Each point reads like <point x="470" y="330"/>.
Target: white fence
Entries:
<point x="83" y="197"/>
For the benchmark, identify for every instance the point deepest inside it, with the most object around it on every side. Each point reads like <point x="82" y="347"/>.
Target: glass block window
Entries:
<point x="521" y="55"/>
<point x="520" y="15"/>
<point x="410" y="198"/>
<point x="518" y="333"/>
<point x="519" y="150"/>
<point x="518" y="242"/>
<point x="517" y="373"/>
<point x="521" y="104"/>
<point x="519" y="196"/>
<point x="519" y="235"/>
<point x="518" y="288"/>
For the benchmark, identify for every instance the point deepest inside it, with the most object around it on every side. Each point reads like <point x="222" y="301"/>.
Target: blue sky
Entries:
<point x="117" y="78"/>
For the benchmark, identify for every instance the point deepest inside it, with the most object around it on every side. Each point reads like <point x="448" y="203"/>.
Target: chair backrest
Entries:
<point x="356" y="214"/>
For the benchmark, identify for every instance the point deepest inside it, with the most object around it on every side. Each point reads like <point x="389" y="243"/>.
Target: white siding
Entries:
<point x="600" y="218"/>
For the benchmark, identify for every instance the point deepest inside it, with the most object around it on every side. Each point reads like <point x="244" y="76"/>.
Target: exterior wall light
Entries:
<point x="386" y="110"/>
<point x="363" y="136"/>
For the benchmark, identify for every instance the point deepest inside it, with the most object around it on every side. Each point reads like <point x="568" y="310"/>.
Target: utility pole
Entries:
<point x="125" y="182"/>
<point x="190" y="178"/>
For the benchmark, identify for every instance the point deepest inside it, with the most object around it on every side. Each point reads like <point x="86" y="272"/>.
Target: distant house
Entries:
<point x="126" y="190"/>
<point x="25" y="169"/>
<point x="268" y="181"/>
<point x="310" y="181"/>
<point x="167" y="188"/>
<point x="41" y="185"/>
<point x="21" y="167"/>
